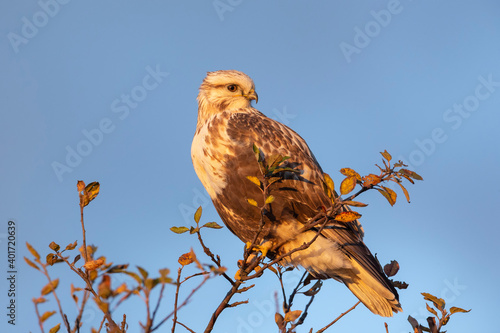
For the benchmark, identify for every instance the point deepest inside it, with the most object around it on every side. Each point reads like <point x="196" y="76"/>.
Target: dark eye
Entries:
<point x="232" y="87"/>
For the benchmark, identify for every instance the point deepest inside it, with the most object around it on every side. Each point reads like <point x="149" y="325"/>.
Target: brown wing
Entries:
<point x="296" y="198"/>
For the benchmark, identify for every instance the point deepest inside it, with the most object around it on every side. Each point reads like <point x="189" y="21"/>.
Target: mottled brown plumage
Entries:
<point x="227" y="128"/>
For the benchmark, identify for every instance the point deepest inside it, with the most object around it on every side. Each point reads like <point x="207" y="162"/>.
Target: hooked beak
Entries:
<point x="252" y="95"/>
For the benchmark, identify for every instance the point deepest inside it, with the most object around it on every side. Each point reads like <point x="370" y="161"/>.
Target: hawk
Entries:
<point x="227" y="129"/>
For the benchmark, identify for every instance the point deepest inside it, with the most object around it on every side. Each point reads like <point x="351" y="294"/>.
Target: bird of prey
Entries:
<point x="228" y="127"/>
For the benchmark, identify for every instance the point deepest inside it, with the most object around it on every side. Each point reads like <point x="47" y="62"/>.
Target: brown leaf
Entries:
<point x="55" y="329"/>
<point x="354" y="203"/>
<point x="31" y="263"/>
<point x="347" y="216"/>
<point x="179" y="230"/>
<point x="197" y="215"/>
<point x="371" y="180"/>
<point x="347" y="185"/>
<point x="90" y="192"/>
<point x="32" y="251"/>
<point x="46" y="315"/>
<point x="431" y="310"/>
<point x="386" y="155"/>
<point x="411" y="174"/>
<point x="53" y="246"/>
<point x="292" y="315"/>
<point x="389" y="194"/>
<point x="186" y="259"/>
<point x="454" y="309"/>
<point x="392" y="268"/>
<point x="93" y="264"/>
<point x="405" y="191"/>
<point x="348" y="172"/>
<point x="278" y="318"/>
<point x="71" y="246"/>
<point x="438" y="302"/>
<point x="80" y="185"/>
<point x="212" y="225"/>
<point x="50" y="287"/>
<point x="104" y="288"/>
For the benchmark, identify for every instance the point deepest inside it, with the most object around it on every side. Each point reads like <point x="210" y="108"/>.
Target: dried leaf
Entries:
<point x="80" y="185"/>
<point x="350" y="173"/>
<point x="46" y="315"/>
<point x="90" y="192"/>
<point x="50" y="287"/>
<point x="32" y="251"/>
<point x="431" y="310"/>
<point x="255" y="180"/>
<point x="314" y="289"/>
<point x="93" y="264"/>
<point x="71" y="246"/>
<point x="347" y="216"/>
<point x="292" y="315"/>
<point x="270" y="199"/>
<point x="55" y="329"/>
<point x="76" y="259"/>
<point x="51" y="259"/>
<point x="392" y="268"/>
<point x="354" y="203"/>
<point x="438" y="302"/>
<point x="347" y="185"/>
<point x="144" y="273"/>
<point x="212" y="225"/>
<point x="399" y="284"/>
<point x="414" y="324"/>
<point x="135" y="276"/>
<point x="179" y="230"/>
<point x="104" y="288"/>
<point x="371" y="180"/>
<point x="197" y="215"/>
<point x="252" y="202"/>
<point x="454" y="309"/>
<point x="411" y="174"/>
<point x="39" y="300"/>
<point x="278" y="318"/>
<point x="329" y="182"/>
<point x="186" y="259"/>
<point x="386" y="155"/>
<point x="405" y="191"/>
<point x="389" y="194"/>
<point x="53" y="246"/>
<point x="31" y="263"/>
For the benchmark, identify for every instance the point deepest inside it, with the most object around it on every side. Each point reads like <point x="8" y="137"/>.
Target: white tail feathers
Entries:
<point x="374" y="294"/>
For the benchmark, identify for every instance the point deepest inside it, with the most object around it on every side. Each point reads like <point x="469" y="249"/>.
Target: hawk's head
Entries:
<point x="225" y="90"/>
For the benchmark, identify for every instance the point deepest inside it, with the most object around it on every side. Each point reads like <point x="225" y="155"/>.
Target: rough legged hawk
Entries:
<point x="228" y="127"/>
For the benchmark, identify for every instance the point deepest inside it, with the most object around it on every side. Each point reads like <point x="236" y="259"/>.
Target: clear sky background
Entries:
<point x="418" y="78"/>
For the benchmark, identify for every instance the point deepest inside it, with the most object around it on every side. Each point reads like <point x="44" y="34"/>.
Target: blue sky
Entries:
<point x="107" y="92"/>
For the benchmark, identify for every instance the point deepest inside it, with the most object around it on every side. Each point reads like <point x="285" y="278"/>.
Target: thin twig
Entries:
<point x="40" y="323"/>
<point x="205" y="278"/>
<point x="190" y="330"/>
<point x="212" y="257"/>
<point x="178" y="286"/>
<point x="337" y="319"/>
<point x="46" y="273"/>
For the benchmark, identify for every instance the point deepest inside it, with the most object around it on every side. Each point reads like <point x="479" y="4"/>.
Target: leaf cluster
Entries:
<point x="441" y="315"/>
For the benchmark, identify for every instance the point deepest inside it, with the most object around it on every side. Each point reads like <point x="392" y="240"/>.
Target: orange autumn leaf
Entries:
<point x="186" y="259"/>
